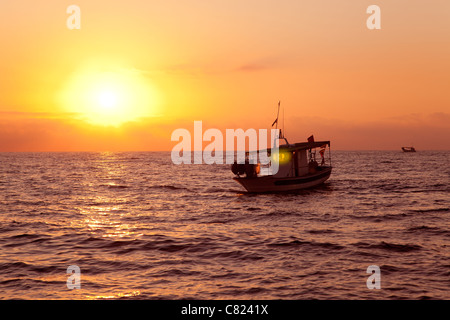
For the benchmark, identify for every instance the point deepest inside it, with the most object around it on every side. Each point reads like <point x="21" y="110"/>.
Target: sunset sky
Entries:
<point x="138" y="70"/>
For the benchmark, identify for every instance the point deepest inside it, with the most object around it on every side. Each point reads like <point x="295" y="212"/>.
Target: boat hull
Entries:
<point x="273" y="184"/>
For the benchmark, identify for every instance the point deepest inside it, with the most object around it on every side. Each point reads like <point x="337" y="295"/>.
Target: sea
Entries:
<point x="133" y="225"/>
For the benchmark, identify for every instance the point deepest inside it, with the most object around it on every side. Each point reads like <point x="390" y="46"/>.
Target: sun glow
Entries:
<point x="110" y="97"/>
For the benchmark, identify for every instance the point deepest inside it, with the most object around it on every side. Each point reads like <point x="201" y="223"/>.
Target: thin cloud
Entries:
<point x="262" y="64"/>
<point x="37" y="114"/>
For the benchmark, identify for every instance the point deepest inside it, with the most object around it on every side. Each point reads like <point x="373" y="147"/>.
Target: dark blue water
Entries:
<point x="140" y="227"/>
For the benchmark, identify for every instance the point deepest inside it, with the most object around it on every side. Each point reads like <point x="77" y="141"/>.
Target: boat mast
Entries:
<point x="282" y="136"/>
<point x="278" y="113"/>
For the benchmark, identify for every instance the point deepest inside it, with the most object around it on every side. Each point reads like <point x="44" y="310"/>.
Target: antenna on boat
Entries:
<point x="284" y="131"/>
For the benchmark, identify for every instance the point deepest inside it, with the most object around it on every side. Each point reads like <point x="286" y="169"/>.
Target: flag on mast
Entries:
<point x="276" y="121"/>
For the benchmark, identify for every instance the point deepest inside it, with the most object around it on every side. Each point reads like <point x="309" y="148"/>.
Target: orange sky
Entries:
<point x="168" y="63"/>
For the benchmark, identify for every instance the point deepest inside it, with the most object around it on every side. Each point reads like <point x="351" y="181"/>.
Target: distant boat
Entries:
<point x="297" y="168"/>
<point x="408" y="149"/>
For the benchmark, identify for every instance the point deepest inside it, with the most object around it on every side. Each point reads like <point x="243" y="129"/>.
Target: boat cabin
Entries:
<point x="300" y="159"/>
<point x="292" y="160"/>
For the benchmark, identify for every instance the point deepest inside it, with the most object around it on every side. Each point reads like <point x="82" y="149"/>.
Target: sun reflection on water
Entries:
<point x="107" y="205"/>
<point x="115" y="296"/>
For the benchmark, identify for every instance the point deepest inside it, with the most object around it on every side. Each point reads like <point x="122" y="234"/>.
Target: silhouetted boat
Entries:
<point x="408" y="149"/>
<point x="297" y="168"/>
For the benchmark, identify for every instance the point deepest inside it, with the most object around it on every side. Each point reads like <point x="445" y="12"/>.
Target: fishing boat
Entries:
<point x="293" y="167"/>
<point x="408" y="149"/>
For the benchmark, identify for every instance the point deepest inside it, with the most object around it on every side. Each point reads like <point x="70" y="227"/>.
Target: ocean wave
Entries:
<point x="429" y="230"/>
<point x="169" y="187"/>
<point x="233" y="255"/>
<point x="430" y="210"/>
<point x="19" y="267"/>
<point x="115" y="186"/>
<point x="322" y="231"/>
<point x="297" y="242"/>
<point x="389" y="246"/>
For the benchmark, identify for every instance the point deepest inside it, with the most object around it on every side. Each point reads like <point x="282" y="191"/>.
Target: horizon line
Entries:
<point x="119" y="151"/>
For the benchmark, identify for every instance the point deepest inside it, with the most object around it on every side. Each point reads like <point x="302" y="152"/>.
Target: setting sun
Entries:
<point x="109" y="96"/>
<point x="107" y="99"/>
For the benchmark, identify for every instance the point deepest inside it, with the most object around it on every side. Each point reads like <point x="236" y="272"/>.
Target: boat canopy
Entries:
<point x="304" y="145"/>
<point x="296" y="146"/>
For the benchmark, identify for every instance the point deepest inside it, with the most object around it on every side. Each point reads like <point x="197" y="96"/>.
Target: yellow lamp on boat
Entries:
<point x="282" y="157"/>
